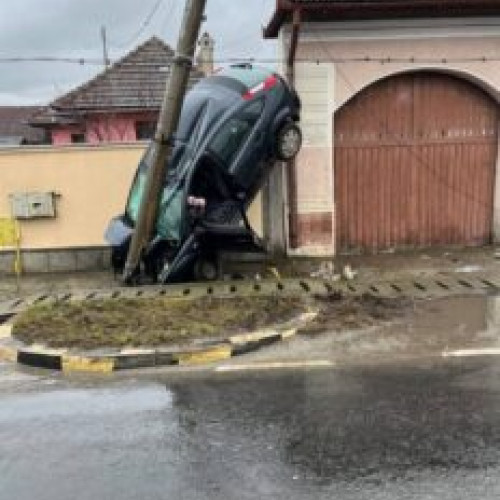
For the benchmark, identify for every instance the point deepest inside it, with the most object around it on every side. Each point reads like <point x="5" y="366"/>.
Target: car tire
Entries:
<point x="288" y="141"/>
<point x="206" y="269"/>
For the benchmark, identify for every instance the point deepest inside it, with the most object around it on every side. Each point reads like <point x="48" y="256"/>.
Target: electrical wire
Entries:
<point x="168" y="18"/>
<point x="269" y="60"/>
<point x="142" y="27"/>
<point x="52" y="59"/>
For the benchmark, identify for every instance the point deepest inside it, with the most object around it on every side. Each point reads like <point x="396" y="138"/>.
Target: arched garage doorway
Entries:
<point x="415" y="159"/>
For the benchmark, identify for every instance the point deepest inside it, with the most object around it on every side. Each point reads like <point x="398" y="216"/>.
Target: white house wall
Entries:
<point x="335" y="61"/>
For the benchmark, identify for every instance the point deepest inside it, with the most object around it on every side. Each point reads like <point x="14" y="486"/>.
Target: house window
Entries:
<point x="78" y="138"/>
<point x="144" y="130"/>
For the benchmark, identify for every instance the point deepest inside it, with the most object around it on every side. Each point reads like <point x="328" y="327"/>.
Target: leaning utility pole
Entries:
<point x="165" y="129"/>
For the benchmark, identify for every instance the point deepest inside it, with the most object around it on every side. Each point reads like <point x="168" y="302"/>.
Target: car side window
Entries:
<point x="234" y="132"/>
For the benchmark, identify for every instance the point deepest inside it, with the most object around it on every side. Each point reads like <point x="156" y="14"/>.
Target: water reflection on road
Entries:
<point x="422" y="431"/>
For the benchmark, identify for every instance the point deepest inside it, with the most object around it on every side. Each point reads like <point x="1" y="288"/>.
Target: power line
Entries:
<point x="367" y="60"/>
<point x="233" y="59"/>
<point x="52" y="59"/>
<point x="142" y="27"/>
<point x="168" y="17"/>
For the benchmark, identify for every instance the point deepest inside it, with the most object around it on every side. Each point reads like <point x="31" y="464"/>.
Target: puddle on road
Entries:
<point x="452" y="323"/>
<point x="426" y="328"/>
<point x="346" y="433"/>
<point x="434" y="327"/>
<point x="63" y="403"/>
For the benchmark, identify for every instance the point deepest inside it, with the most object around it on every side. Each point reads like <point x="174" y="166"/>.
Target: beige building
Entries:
<point x="400" y="122"/>
<point x="64" y="198"/>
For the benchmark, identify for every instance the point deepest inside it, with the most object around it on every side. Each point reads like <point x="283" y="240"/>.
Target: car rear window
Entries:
<point x="238" y="79"/>
<point x="249" y="75"/>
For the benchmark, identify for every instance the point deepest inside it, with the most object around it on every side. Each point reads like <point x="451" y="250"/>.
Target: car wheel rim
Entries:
<point x="209" y="271"/>
<point x="206" y="270"/>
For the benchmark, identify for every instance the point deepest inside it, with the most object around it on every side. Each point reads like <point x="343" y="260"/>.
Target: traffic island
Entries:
<point x="108" y="335"/>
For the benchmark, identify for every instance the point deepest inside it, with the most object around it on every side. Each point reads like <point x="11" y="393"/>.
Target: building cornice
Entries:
<point x="345" y="10"/>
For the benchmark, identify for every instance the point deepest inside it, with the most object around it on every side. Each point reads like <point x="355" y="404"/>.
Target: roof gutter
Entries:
<point x="358" y="9"/>
<point x="292" y="50"/>
<point x="279" y="16"/>
<point x="292" y="171"/>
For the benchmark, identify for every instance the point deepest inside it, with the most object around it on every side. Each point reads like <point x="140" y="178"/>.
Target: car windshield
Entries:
<point x="168" y="222"/>
<point x="135" y="195"/>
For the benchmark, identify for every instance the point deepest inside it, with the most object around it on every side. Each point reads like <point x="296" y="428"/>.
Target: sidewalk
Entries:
<point x="421" y="267"/>
<point x="53" y="283"/>
<point x="368" y="268"/>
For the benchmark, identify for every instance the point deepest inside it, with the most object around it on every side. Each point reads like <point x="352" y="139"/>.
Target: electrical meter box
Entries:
<point x="32" y="205"/>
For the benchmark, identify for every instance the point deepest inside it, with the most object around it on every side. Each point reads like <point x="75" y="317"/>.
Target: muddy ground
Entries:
<point x="337" y="313"/>
<point x="161" y="321"/>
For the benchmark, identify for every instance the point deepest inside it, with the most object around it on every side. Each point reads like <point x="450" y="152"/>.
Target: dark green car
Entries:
<point x="234" y="127"/>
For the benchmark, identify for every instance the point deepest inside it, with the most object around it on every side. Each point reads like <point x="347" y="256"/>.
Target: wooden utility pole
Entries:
<point x="163" y="139"/>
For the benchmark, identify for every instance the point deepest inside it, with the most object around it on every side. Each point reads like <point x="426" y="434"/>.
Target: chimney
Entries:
<point x="205" y="57"/>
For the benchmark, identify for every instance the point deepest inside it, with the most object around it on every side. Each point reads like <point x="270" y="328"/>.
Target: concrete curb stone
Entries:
<point x="107" y="362"/>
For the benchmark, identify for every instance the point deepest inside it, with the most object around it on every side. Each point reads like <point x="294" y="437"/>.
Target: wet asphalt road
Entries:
<point x="429" y="430"/>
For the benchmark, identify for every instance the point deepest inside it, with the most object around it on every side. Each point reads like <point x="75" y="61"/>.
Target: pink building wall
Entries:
<point x="62" y="136"/>
<point x="103" y="128"/>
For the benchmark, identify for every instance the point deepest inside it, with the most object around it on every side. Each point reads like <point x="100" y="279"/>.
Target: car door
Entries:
<point x="238" y="144"/>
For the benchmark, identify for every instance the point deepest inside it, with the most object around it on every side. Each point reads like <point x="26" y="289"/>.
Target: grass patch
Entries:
<point x="149" y="322"/>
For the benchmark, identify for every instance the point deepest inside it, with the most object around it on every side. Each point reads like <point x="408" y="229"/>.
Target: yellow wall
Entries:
<point x="92" y="182"/>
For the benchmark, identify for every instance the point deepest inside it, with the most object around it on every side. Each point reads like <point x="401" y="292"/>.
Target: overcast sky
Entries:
<point x="71" y="29"/>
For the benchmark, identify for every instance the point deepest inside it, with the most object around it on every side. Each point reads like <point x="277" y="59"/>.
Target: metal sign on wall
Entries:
<point x="32" y="205"/>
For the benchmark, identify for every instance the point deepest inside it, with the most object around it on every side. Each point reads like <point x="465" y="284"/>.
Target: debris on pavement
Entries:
<point x="348" y="274"/>
<point x="326" y="271"/>
<point x="469" y="269"/>
<point x="337" y="313"/>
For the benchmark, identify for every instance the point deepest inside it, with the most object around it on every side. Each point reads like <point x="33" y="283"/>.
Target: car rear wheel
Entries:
<point x="206" y="269"/>
<point x="288" y="141"/>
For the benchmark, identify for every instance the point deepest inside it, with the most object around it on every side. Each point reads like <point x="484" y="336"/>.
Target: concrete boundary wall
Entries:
<point x="58" y="260"/>
<point x="91" y="184"/>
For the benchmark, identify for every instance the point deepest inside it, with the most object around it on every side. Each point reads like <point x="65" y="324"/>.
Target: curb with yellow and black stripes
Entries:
<point x="208" y="353"/>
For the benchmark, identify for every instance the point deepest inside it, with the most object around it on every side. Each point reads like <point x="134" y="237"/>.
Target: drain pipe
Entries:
<point x="292" y="166"/>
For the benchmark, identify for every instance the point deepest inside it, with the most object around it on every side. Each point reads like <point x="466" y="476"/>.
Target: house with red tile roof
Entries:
<point x="122" y="103"/>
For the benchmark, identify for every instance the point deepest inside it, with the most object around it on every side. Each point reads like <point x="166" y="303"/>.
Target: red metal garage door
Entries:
<point x="414" y="163"/>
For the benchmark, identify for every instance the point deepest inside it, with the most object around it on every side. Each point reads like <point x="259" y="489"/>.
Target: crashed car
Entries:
<point x="234" y="126"/>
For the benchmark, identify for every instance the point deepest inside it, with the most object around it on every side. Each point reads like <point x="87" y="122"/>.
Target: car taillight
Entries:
<point x="267" y="84"/>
